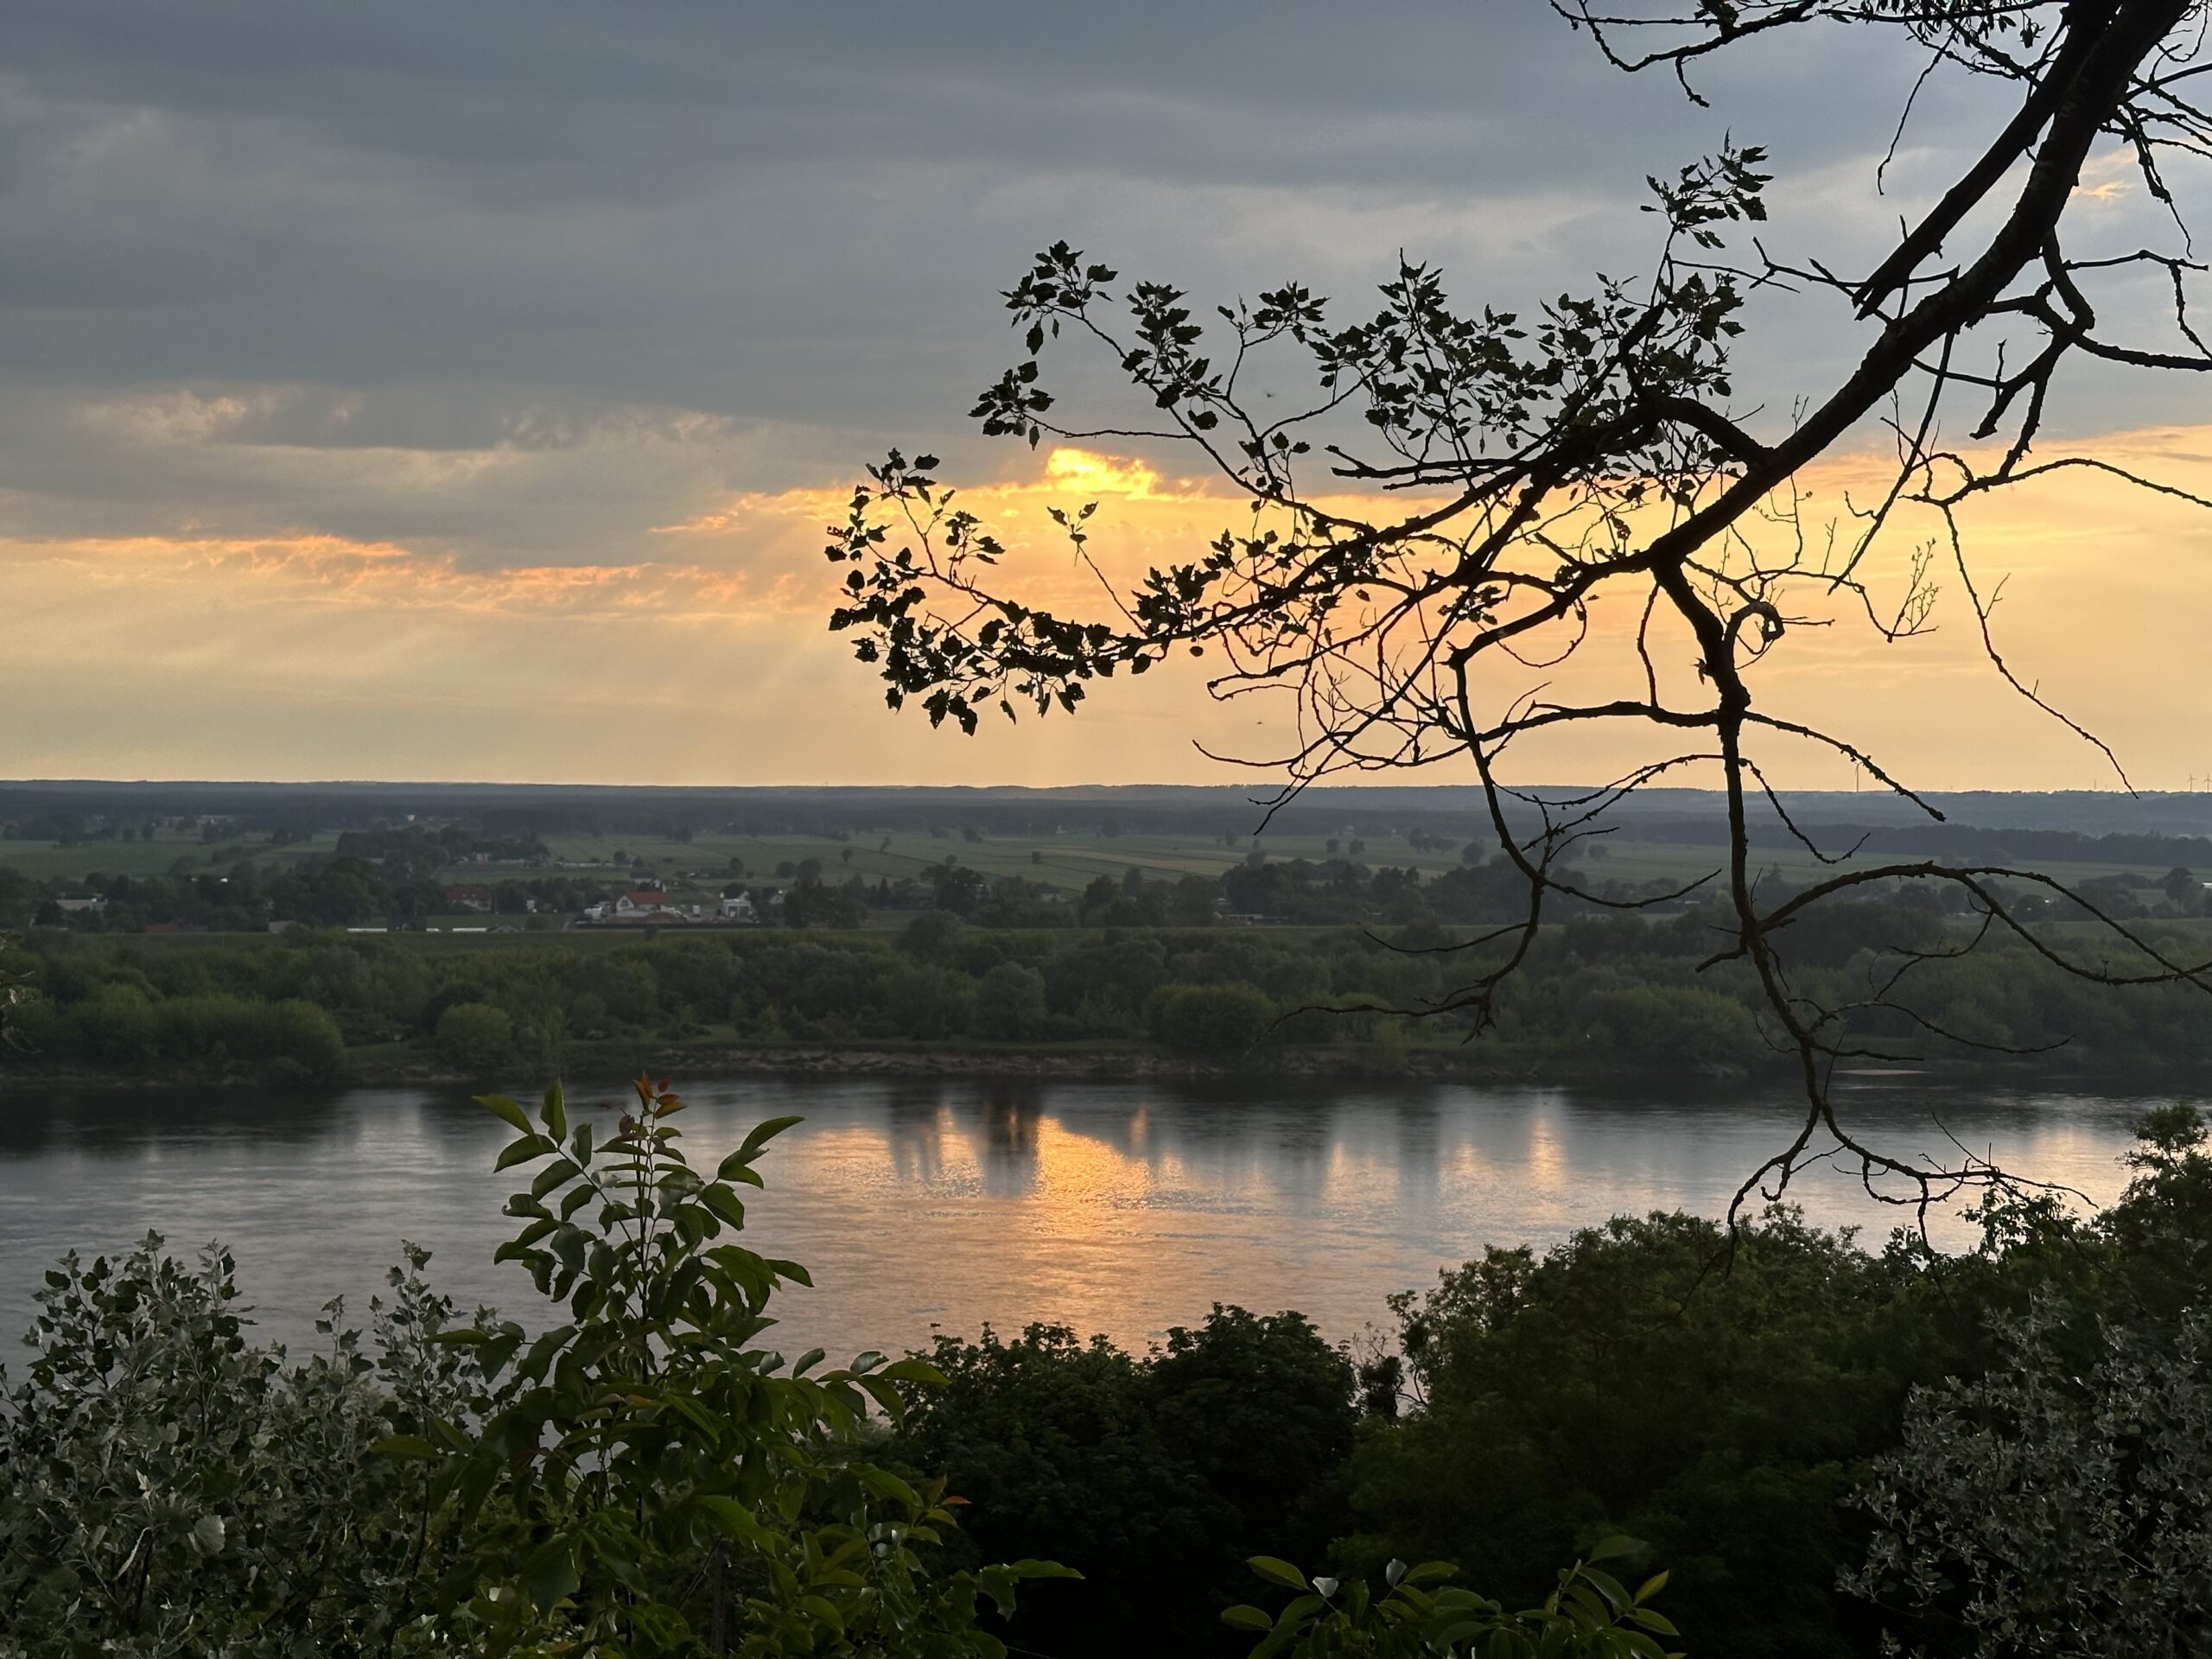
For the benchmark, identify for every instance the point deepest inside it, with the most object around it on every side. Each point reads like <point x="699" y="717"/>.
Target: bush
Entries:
<point x="1009" y="1003"/>
<point x="1662" y="1025"/>
<point x="174" y="1489"/>
<point x="1215" y="1021"/>
<point x="475" y="1038"/>
<point x="1155" y="1477"/>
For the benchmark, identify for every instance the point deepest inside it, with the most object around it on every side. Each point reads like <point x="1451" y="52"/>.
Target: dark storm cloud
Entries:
<point x="498" y="277"/>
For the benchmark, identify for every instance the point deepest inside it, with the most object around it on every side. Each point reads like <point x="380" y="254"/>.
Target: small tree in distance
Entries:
<point x="1493" y="474"/>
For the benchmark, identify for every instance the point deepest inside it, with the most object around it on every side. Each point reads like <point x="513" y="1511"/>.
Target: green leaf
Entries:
<point x="552" y="1176"/>
<point x="735" y="1521"/>
<point x="1277" y="1571"/>
<point x="1609" y="1549"/>
<point x="550" y="1573"/>
<point x="522" y="1151"/>
<point x="1243" y="1617"/>
<point x="207" y="1535"/>
<point x="724" y="1203"/>
<point x="405" y="1448"/>
<point x="917" y="1371"/>
<point x="505" y="1109"/>
<point x="762" y="1133"/>
<point x="556" y="1112"/>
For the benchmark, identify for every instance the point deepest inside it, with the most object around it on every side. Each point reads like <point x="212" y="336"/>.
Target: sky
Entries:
<point x="460" y="392"/>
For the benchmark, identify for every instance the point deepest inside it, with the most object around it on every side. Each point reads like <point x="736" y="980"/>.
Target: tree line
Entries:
<point x="1597" y="993"/>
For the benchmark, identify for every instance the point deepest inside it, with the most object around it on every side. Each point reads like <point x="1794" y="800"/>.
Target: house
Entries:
<point x="71" y="907"/>
<point x="737" y="907"/>
<point x="642" y="907"/>
<point x="469" y="898"/>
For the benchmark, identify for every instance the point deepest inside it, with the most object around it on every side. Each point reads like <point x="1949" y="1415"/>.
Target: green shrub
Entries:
<point x="1214" y="1020"/>
<point x="476" y="1038"/>
<point x="1664" y="1025"/>
<point x="1009" y="1003"/>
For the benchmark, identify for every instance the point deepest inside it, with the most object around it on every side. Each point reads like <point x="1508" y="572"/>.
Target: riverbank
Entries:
<point x="602" y="1063"/>
<point x="598" y="1063"/>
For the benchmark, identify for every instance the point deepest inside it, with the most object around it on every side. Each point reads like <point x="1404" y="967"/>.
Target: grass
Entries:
<point x="44" y="860"/>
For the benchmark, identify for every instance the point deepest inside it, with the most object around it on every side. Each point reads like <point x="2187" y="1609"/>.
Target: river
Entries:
<point x="1123" y="1208"/>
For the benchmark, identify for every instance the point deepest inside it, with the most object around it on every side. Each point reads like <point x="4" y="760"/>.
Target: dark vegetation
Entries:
<point x="94" y="813"/>
<point x="1764" y="1415"/>
<point x="1597" y="993"/>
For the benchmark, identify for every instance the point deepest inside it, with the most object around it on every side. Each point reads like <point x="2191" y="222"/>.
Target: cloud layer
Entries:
<point x="377" y="382"/>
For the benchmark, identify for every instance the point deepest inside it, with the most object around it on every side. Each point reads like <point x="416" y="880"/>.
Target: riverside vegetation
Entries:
<point x="1810" y="1446"/>
<point x="1597" y="993"/>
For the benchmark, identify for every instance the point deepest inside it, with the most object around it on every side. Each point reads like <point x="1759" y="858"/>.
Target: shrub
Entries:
<point x="1661" y="1024"/>
<point x="475" y="1038"/>
<point x="1009" y="1003"/>
<point x="1221" y="1020"/>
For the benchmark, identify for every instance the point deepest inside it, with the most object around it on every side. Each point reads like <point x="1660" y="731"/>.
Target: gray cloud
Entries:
<point x="518" y="280"/>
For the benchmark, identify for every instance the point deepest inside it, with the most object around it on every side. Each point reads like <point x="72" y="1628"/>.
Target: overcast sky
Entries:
<point x="357" y="361"/>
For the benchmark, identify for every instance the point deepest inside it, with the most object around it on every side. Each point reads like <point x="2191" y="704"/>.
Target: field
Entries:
<point x="44" y="860"/>
<point x="1071" y="861"/>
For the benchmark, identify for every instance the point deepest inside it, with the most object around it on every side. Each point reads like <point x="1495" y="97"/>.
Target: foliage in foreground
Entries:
<point x="1417" y="1612"/>
<point x="1158" y="1475"/>
<point x="636" y="1477"/>
<point x="1767" y="1416"/>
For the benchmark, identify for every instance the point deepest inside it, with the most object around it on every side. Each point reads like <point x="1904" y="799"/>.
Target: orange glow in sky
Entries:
<point x="699" y="655"/>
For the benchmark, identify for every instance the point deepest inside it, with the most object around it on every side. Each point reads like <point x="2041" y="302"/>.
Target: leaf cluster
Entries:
<point x="649" y="1482"/>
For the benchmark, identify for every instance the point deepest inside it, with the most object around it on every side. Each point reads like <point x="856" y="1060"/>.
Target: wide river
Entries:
<point x="919" y="1206"/>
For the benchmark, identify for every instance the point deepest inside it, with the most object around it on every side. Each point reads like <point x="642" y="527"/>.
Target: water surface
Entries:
<point x="1124" y="1208"/>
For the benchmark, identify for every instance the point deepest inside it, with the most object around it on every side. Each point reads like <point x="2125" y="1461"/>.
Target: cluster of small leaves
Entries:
<point x="997" y="651"/>
<point x="651" y="1484"/>
<point x="169" y="1487"/>
<point x="1590" y="1616"/>
<point x="2054" y="1507"/>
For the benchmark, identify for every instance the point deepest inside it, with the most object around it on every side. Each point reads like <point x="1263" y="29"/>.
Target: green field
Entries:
<point x="1072" y="862"/>
<point x="44" y="860"/>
